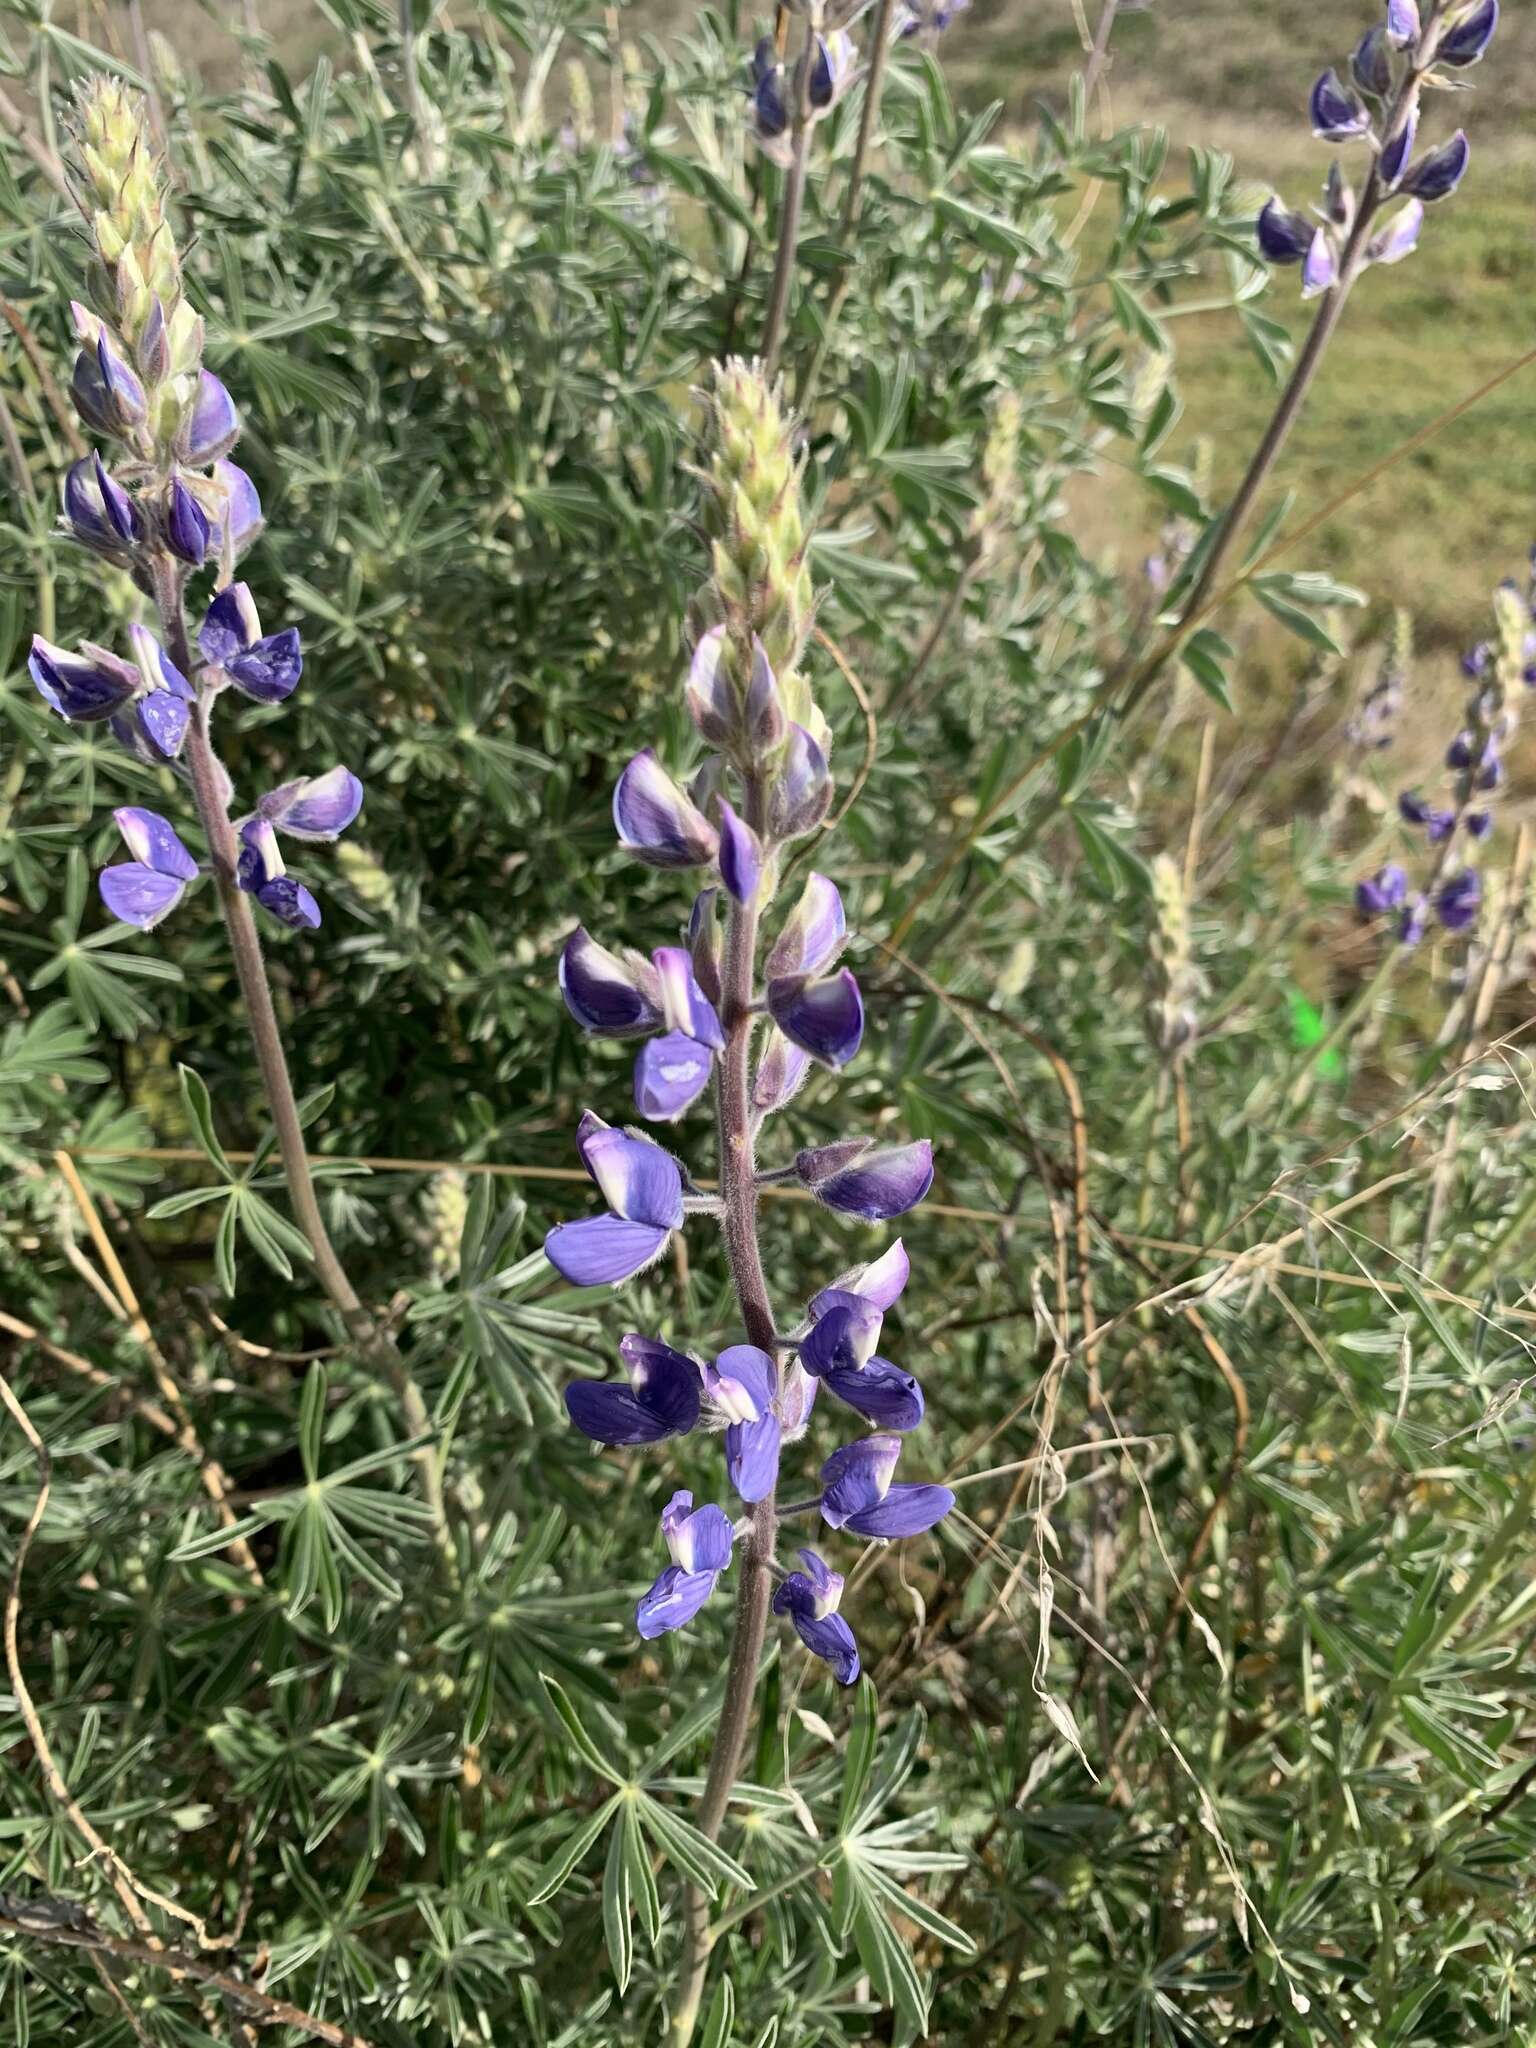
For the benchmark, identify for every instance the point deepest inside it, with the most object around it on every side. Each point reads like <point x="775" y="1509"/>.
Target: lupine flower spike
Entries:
<point x="767" y="781"/>
<point x="1374" y="100"/>
<point x="175" y="507"/>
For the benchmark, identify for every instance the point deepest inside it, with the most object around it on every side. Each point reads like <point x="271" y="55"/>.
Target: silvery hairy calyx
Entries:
<point x="161" y="502"/>
<point x="717" y="1024"/>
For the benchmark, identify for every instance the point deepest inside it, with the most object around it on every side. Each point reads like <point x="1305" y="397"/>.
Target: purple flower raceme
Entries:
<point x="1386" y="890"/>
<point x="698" y="1008"/>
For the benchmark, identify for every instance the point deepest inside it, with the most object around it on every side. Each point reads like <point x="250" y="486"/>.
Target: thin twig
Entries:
<point x="794" y="200"/>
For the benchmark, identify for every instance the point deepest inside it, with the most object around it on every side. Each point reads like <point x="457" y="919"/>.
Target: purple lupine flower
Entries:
<point x="107" y="394"/>
<point x="699" y="1540"/>
<point x="1437" y="174"/>
<point x="264" y="667"/>
<point x="810" y="1599"/>
<point x="185" y="525"/>
<point x="1396" y="151"/>
<point x="743" y="1383"/>
<point x="1338" y="114"/>
<point x="1370" y="66"/>
<point x="707" y="692"/>
<point x="262" y="873"/>
<point x="242" y="519"/>
<point x="770" y="108"/>
<point x="802" y="790"/>
<point x="643" y="1187"/>
<point x="879" y="1281"/>
<point x="1386" y="890"/>
<point x="1412" y="808"/>
<point x="656" y="821"/>
<point x="857" y="1493"/>
<point x="1465" y="42"/>
<point x="825" y="1018"/>
<point x="1439" y="826"/>
<point x="610" y="995"/>
<point x="162" y="704"/>
<point x="741" y="855"/>
<point x="1474" y="663"/>
<point x="860" y="1179"/>
<point x="1400" y="236"/>
<point x="1320" y="271"/>
<point x="1479" y="823"/>
<point x="812" y="935"/>
<point x="1402" y="23"/>
<point x="663" y="1397"/>
<point x="316" y="808"/>
<point x="100" y="513"/>
<point x="90" y="685"/>
<point x="1457" y="903"/>
<point x="781" y="1073"/>
<point x="212" y="426"/>
<point x="1414" y="921"/>
<point x="839" y="1348"/>
<point x="833" y="69"/>
<point x="144" y="890"/>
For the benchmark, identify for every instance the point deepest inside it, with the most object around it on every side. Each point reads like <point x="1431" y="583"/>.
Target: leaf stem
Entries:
<point x="794" y="201"/>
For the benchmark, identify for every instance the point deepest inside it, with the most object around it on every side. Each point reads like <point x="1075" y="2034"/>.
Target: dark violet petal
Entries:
<point x="270" y="670"/>
<point x="1284" y="237"/>
<point x="638" y="1180"/>
<point x="1402" y="22"/>
<point x="138" y="895"/>
<point x="185" y="525"/>
<point x="813" y="933"/>
<point x="242" y="516"/>
<point x="1338" y="114"/>
<point x="154" y="842"/>
<point x="752" y="1457"/>
<point x="1466" y="42"/>
<point x="1458" y="901"/>
<point x="320" y="807"/>
<point x="704" y="943"/>
<point x="831" y="1639"/>
<point x="673" y="1601"/>
<point x="1436" y="175"/>
<point x="656" y="821"/>
<point x="856" y="1478"/>
<point x="1394" y="157"/>
<point x="741" y="856"/>
<point x="611" y="1414"/>
<point x="608" y="996"/>
<point x="1400" y="236"/>
<point x="881" y="1392"/>
<point x="261" y="858"/>
<point x="905" y="1511"/>
<point x="1320" y="271"/>
<point x="824" y="1018"/>
<point x="232" y="625"/>
<point x="1371" y="64"/>
<point x="769" y="110"/>
<point x="78" y="686"/>
<point x="602" y="1251"/>
<point x="881" y="1184"/>
<point x="671" y="1073"/>
<point x="666" y="1383"/>
<point x="289" y="902"/>
<point x="121" y="513"/>
<point x="126" y="398"/>
<point x="842" y="1339"/>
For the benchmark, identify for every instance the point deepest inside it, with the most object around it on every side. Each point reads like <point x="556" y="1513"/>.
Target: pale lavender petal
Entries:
<point x="826" y="1584"/>
<point x="603" y="1251"/>
<point x="289" y="902"/>
<point x="163" y="719"/>
<point x="702" y="1541"/>
<point x="1320" y="272"/>
<point x="139" y="895"/>
<point x="684" y="1005"/>
<point x="1400" y="236"/>
<point x="671" y="1073"/>
<point x="320" y="807"/>
<point x="153" y="842"/>
<point x="656" y="821"/>
<point x="214" y="425"/>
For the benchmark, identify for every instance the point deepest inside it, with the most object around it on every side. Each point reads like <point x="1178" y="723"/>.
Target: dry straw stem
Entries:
<point x="58" y="1927"/>
<point x="215" y="1480"/>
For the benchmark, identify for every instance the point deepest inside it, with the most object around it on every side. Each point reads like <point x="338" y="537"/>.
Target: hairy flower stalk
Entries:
<point x="767" y="784"/>
<point x="174" y="507"/>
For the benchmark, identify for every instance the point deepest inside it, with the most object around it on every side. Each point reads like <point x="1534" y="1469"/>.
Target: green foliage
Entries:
<point x="1263" y="1543"/>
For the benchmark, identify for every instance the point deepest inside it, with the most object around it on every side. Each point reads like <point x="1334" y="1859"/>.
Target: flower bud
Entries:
<point x="860" y="1180"/>
<point x="802" y="790"/>
<point x="185" y="525"/>
<point x="655" y="820"/>
<point x="212" y="426"/>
